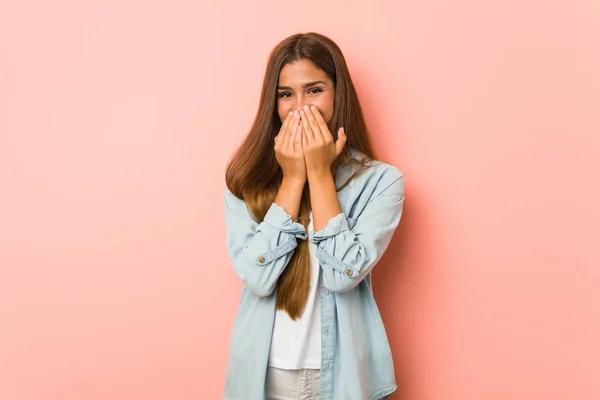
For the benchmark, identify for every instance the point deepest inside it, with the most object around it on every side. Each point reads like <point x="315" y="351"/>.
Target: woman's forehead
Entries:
<point x="300" y="73"/>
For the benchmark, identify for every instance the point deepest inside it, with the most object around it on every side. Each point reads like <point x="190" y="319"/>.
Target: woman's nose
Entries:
<point x="300" y="105"/>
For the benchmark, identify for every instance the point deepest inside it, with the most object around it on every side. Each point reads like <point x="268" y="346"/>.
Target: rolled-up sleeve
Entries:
<point x="260" y="252"/>
<point x="347" y="255"/>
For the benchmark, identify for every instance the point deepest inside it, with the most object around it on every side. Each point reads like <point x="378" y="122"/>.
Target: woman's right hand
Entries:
<point x="288" y="149"/>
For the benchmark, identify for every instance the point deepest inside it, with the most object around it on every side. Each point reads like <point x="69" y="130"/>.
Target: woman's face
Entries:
<point x="302" y="83"/>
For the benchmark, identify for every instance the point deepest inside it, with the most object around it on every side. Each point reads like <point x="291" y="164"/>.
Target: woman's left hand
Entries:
<point x="317" y="142"/>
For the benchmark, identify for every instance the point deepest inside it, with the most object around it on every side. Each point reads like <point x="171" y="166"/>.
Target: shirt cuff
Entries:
<point x="280" y="219"/>
<point x="334" y="226"/>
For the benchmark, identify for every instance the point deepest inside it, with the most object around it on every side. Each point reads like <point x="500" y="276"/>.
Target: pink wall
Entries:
<point x="117" y="119"/>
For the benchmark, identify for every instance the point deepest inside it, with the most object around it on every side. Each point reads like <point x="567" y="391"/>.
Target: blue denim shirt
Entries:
<point x="356" y="360"/>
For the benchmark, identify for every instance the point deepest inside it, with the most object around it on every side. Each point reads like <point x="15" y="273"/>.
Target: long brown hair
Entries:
<point x="253" y="173"/>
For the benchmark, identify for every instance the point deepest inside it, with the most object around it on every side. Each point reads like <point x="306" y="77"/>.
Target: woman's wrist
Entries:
<point x="289" y="196"/>
<point x="293" y="183"/>
<point x="319" y="175"/>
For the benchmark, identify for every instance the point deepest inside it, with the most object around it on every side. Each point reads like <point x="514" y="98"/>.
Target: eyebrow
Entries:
<point x="303" y="86"/>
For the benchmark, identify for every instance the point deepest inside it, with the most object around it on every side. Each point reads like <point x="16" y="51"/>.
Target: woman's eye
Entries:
<point x="310" y="91"/>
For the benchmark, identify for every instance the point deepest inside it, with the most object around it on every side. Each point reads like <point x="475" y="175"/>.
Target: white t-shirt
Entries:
<point x="297" y="344"/>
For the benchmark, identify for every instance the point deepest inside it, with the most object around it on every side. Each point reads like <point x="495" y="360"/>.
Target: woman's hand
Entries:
<point x="317" y="142"/>
<point x="288" y="149"/>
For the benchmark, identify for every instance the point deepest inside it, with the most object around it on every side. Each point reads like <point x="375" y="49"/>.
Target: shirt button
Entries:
<point x="349" y="272"/>
<point x="261" y="259"/>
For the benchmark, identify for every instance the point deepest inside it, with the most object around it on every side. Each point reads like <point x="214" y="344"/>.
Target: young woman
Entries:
<point x="309" y="213"/>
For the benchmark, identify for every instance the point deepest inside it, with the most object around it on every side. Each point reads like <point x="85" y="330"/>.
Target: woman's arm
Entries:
<point x="323" y="199"/>
<point x="289" y="196"/>
<point x="348" y="255"/>
<point x="260" y="252"/>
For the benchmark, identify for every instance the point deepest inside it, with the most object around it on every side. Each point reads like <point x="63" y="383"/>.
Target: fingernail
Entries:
<point x="306" y="107"/>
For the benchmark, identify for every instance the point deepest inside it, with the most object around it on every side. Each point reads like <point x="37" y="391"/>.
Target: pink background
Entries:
<point x="117" y="119"/>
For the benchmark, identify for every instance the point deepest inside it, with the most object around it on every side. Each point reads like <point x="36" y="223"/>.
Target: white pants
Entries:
<point x="292" y="384"/>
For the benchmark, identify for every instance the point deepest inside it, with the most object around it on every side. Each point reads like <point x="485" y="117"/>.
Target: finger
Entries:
<point x="341" y="141"/>
<point x="314" y="126"/>
<point x="321" y="123"/>
<point x="304" y="138"/>
<point x="285" y="131"/>
<point x="292" y="129"/>
<point x="310" y="136"/>
<point x="286" y="121"/>
<point x="298" y="138"/>
<point x="282" y="130"/>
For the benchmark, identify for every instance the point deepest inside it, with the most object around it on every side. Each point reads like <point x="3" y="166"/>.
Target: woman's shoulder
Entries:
<point x="232" y="202"/>
<point x="377" y="172"/>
